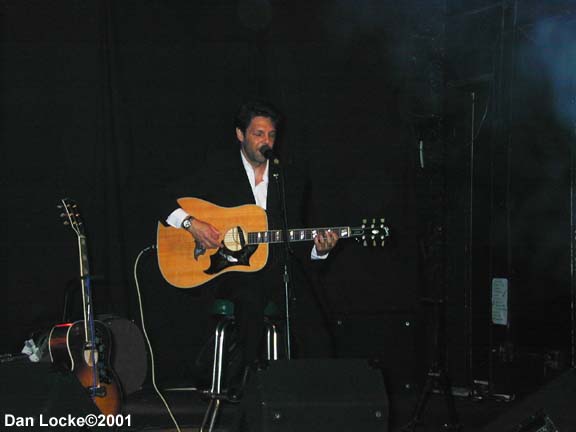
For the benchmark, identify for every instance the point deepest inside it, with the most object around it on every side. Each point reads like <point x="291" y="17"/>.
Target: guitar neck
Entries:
<point x="86" y="289"/>
<point x="83" y="252"/>
<point x="90" y="351"/>
<point x="297" y="235"/>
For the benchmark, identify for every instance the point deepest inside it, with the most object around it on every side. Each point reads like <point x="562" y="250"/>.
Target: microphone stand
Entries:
<point x="280" y="187"/>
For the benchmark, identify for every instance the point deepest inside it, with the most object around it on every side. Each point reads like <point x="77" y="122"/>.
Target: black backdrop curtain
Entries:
<point x="107" y="102"/>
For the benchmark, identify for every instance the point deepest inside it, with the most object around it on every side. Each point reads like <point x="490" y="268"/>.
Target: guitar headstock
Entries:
<point x="372" y="232"/>
<point x="70" y="213"/>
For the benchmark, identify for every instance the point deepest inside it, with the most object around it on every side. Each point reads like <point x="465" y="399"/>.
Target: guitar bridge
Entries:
<point x="99" y="391"/>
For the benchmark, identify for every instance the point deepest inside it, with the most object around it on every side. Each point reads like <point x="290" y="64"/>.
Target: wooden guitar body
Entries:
<point x="181" y="265"/>
<point x="83" y="347"/>
<point x="67" y="348"/>
<point x="244" y="245"/>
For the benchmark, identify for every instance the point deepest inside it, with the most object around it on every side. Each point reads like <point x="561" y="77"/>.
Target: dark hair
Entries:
<point x="255" y="108"/>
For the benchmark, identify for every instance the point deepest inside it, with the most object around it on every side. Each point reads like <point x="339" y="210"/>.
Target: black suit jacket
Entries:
<point x="222" y="180"/>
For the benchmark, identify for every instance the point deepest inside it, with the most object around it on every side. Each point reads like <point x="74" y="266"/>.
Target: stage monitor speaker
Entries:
<point x="315" y="396"/>
<point x="29" y="390"/>
<point x="550" y="409"/>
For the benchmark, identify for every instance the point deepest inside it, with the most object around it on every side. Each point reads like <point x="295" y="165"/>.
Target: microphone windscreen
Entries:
<point x="267" y="152"/>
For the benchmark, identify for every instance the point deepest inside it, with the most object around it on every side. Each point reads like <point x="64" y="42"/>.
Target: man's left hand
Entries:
<point x="325" y="242"/>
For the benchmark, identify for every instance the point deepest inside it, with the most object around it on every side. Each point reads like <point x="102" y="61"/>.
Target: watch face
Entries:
<point x="187" y="224"/>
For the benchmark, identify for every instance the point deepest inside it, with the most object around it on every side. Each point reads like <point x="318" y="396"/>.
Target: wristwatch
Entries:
<point x="187" y="223"/>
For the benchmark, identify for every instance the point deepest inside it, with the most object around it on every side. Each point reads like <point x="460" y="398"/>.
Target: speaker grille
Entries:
<point x="316" y="395"/>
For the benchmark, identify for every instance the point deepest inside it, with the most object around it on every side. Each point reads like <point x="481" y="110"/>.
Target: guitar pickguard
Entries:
<point x="198" y="250"/>
<point x="225" y="258"/>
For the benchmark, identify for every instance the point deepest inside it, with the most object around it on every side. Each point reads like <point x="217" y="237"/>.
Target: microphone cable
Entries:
<point x="141" y="309"/>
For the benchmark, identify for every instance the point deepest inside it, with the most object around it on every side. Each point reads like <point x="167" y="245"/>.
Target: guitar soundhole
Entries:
<point x="234" y="239"/>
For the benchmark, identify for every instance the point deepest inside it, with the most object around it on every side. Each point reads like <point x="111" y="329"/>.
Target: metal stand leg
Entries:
<point x="215" y="391"/>
<point x="271" y="340"/>
<point x="211" y="415"/>
<point x="437" y="376"/>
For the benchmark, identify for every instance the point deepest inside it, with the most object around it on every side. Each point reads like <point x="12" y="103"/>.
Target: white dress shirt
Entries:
<point x="260" y="192"/>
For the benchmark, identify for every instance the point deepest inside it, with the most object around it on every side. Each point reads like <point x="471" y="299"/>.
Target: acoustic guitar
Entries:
<point x="83" y="347"/>
<point x="244" y="248"/>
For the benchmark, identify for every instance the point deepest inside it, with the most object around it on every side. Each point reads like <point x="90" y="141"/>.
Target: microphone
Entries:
<point x="267" y="152"/>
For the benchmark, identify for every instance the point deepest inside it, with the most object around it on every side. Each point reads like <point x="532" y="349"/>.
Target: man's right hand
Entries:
<point x="205" y="234"/>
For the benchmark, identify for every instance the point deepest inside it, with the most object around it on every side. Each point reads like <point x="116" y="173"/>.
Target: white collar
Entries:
<point x="250" y="170"/>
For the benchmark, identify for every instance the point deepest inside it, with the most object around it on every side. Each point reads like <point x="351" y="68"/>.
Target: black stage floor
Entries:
<point x="473" y="415"/>
<point x="548" y="407"/>
<point x="28" y="389"/>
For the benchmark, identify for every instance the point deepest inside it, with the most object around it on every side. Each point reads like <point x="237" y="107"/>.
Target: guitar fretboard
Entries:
<point x="86" y="291"/>
<point x="294" y="235"/>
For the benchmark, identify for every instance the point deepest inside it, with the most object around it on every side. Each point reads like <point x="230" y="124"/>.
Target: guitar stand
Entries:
<point x="437" y="377"/>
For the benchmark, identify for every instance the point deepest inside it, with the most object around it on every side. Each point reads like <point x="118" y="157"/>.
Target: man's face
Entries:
<point x="260" y="132"/>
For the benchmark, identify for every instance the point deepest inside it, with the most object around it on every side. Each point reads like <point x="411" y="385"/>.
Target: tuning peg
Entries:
<point x="66" y="222"/>
<point x="382" y="240"/>
<point x="364" y="243"/>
